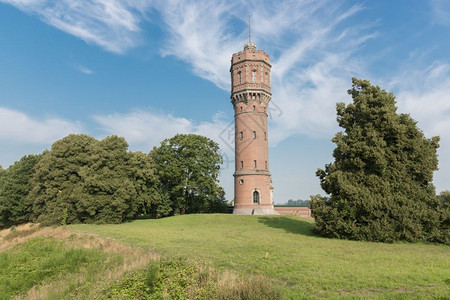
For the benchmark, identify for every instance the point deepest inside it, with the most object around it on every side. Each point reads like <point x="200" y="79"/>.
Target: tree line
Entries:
<point x="85" y="180"/>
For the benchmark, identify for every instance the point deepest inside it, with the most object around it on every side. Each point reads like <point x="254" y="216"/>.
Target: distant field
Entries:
<point x="303" y="264"/>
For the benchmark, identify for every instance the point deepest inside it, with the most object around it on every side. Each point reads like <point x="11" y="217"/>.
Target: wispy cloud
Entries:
<point x="314" y="52"/>
<point x="440" y="12"/>
<point x="83" y="69"/>
<point x="17" y="127"/>
<point x="113" y="24"/>
<point x="424" y="94"/>
<point x="199" y="35"/>
<point x="145" y="129"/>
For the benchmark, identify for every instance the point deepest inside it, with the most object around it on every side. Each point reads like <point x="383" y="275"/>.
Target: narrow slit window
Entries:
<point x="254" y="107"/>
<point x="239" y="77"/>
<point x="254" y="163"/>
<point x="256" y="197"/>
<point x="254" y="134"/>
<point x="254" y="76"/>
<point x="242" y="135"/>
<point x="265" y="136"/>
<point x="266" y="164"/>
<point x="242" y="164"/>
<point x="241" y="108"/>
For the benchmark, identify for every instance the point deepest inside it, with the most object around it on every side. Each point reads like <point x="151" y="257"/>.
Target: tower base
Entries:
<point x="255" y="211"/>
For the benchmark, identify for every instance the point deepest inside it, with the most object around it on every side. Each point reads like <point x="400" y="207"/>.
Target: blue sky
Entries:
<point x="147" y="70"/>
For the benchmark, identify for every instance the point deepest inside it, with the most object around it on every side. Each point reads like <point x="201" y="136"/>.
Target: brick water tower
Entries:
<point x="250" y="96"/>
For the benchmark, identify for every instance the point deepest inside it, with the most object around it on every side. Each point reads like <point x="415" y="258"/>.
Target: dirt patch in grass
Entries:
<point x="133" y="258"/>
<point x="22" y="233"/>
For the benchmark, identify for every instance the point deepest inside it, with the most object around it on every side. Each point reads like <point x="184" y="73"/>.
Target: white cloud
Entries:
<point x="17" y="127"/>
<point x="199" y="35"/>
<point x="313" y="56"/>
<point x="424" y="94"/>
<point x="440" y="12"/>
<point x="112" y="24"/>
<point x="83" y="69"/>
<point x="145" y="129"/>
<point x="312" y="63"/>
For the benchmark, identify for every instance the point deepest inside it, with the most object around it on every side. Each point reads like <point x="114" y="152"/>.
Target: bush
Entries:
<point x="178" y="279"/>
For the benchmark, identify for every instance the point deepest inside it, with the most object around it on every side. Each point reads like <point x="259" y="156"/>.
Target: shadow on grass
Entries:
<point x="291" y="225"/>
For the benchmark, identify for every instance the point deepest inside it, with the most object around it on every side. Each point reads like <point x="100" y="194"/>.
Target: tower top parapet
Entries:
<point x="250" y="46"/>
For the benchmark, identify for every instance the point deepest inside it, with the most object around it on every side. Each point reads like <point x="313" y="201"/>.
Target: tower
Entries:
<point x="250" y="96"/>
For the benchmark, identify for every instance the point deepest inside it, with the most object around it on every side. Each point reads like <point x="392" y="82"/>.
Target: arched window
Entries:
<point x="239" y="77"/>
<point x="256" y="197"/>
<point x="254" y="76"/>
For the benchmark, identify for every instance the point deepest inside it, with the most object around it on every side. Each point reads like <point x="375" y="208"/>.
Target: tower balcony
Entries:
<point x="247" y="95"/>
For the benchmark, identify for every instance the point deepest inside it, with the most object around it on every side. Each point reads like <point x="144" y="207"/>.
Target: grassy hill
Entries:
<point x="284" y="250"/>
<point x="232" y="257"/>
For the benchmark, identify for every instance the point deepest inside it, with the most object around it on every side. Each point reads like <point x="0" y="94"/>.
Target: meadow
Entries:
<point x="284" y="251"/>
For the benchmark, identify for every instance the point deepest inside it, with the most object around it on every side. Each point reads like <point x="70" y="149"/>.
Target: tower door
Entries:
<point x="255" y="197"/>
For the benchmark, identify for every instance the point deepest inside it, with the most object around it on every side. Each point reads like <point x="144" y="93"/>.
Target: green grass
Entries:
<point x="42" y="260"/>
<point x="303" y="264"/>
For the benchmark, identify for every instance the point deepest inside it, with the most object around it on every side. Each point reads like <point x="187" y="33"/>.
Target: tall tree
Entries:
<point x="188" y="166"/>
<point x="83" y="180"/>
<point x="57" y="185"/>
<point x="14" y="188"/>
<point x="380" y="184"/>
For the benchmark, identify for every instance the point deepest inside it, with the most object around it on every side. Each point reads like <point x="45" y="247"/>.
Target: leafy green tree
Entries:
<point x="57" y="185"/>
<point x="188" y="166"/>
<point x="151" y="199"/>
<point x="444" y="198"/>
<point x="83" y="180"/>
<point x="379" y="185"/>
<point x="109" y="192"/>
<point x="14" y="188"/>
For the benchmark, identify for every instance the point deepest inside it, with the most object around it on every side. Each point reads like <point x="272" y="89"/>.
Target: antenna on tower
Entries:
<point x="249" y="45"/>
<point x="249" y="32"/>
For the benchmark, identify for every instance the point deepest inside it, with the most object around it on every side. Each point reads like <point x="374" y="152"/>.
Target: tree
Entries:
<point x="14" y="188"/>
<point x="57" y="185"/>
<point x="151" y="200"/>
<point x="188" y="166"/>
<point x="83" y="180"/>
<point x="380" y="184"/>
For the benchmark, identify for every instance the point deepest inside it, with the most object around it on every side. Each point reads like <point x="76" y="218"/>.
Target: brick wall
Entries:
<point x="295" y="211"/>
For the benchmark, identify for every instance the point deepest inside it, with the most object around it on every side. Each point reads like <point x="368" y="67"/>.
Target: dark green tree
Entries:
<point x="83" y="180"/>
<point x="380" y="184"/>
<point x="108" y="191"/>
<point x="188" y="166"/>
<point x="444" y="198"/>
<point x="57" y="185"/>
<point x="151" y="200"/>
<point x="14" y="188"/>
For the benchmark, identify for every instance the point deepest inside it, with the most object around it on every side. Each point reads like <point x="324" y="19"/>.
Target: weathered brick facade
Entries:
<point x="250" y="96"/>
